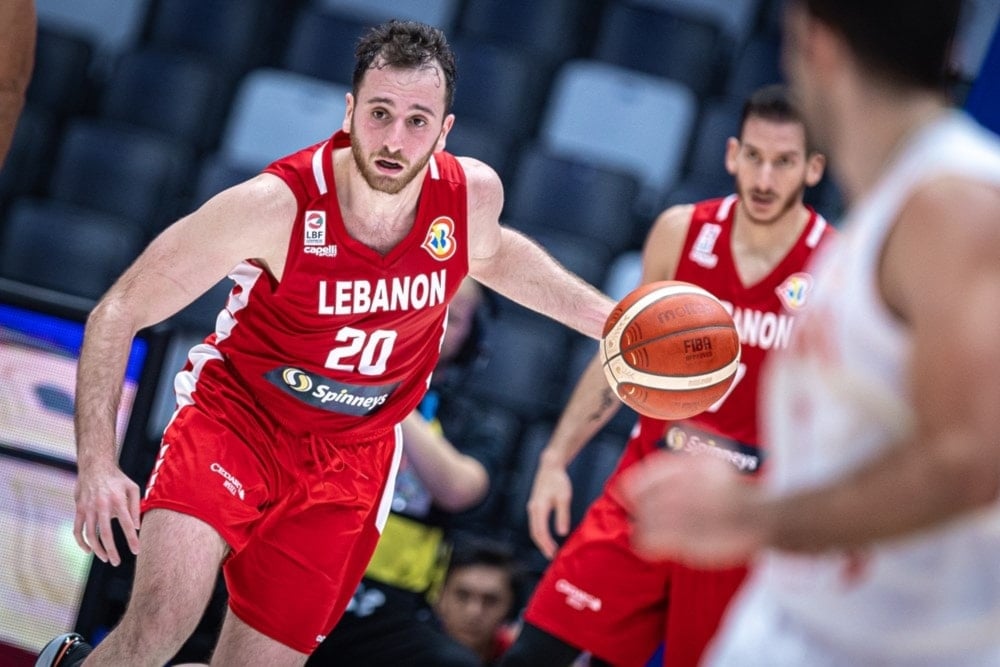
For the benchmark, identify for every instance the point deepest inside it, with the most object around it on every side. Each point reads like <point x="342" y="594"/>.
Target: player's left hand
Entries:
<point x="696" y="509"/>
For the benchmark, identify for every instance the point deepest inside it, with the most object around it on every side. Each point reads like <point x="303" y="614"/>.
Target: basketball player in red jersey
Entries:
<point x="280" y="460"/>
<point x="749" y="249"/>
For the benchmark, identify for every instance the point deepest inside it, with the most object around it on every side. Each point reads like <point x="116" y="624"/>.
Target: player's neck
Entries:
<point x="889" y="122"/>
<point x="759" y="247"/>
<point x="377" y="219"/>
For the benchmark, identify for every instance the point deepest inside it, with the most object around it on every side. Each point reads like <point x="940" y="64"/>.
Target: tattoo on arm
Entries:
<point x="607" y="400"/>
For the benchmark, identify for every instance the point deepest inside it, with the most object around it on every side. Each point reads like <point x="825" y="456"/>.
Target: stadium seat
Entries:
<point x="26" y="166"/>
<point x="524" y="369"/>
<point x="555" y="193"/>
<point x="665" y="43"/>
<point x="170" y="93"/>
<point x="65" y="248"/>
<point x="617" y="118"/>
<point x="719" y="120"/>
<point x="122" y="171"/>
<point x="61" y="82"/>
<point x="479" y="141"/>
<point x="439" y="13"/>
<point x="758" y="63"/>
<point x="322" y="43"/>
<point x="113" y="27"/>
<point x="235" y="34"/>
<point x="738" y="19"/>
<point x="214" y="176"/>
<point x="499" y="88"/>
<point x="550" y="31"/>
<point x="276" y="112"/>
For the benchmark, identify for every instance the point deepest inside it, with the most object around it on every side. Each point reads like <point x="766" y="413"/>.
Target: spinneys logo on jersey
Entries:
<point x="328" y="394"/>
<point x="440" y="241"/>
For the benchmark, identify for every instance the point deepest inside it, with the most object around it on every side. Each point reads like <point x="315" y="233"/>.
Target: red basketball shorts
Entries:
<point x="600" y="596"/>
<point x="301" y="515"/>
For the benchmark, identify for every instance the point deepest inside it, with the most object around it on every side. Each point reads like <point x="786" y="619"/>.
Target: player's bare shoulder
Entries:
<point x="253" y="218"/>
<point x="485" y="188"/>
<point x="665" y="242"/>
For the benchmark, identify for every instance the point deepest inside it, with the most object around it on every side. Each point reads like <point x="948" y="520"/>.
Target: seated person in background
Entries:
<point x="478" y="599"/>
<point x="389" y="621"/>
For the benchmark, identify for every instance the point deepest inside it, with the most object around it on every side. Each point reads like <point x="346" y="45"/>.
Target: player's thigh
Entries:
<point x="176" y="569"/>
<point x="240" y="645"/>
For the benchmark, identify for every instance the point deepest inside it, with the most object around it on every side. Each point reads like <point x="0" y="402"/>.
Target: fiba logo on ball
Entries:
<point x="670" y="349"/>
<point x="297" y="380"/>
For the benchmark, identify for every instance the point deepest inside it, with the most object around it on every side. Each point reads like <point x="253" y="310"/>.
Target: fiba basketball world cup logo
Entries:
<point x="440" y="240"/>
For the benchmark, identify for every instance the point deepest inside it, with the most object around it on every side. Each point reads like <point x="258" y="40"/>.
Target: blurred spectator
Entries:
<point x="478" y="600"/>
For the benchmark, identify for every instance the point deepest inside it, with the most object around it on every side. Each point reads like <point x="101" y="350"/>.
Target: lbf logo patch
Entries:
<point x="440" y="241"/>
<point x="315" y="228"/>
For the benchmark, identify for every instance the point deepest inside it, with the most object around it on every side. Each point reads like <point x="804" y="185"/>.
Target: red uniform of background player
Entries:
<point x="750" y="250"/>
<point x="285" y="441"/>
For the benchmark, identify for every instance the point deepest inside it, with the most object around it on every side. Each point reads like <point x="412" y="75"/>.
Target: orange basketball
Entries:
<point x="670" y="349"/>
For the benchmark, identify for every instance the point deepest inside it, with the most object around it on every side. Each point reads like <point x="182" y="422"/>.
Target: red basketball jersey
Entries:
<point x="345" y="343"/>
<point x="764" y="313"/>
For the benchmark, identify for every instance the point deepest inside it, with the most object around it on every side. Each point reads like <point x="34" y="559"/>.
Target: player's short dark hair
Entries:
<point x="407" y="45"/>
<point x="906" y="42"/>
<point x="774" y="103"/>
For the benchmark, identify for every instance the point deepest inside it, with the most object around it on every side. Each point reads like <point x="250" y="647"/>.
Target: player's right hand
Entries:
<point x="101" y="495"/>
<point x="551" y="492"/>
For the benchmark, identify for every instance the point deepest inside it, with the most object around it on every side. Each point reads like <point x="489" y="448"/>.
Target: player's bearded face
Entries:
<point x="775" y="202"/>
<point x="370" y="164"/>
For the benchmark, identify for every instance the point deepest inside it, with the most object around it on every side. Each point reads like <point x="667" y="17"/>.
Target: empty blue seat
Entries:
<point x="618" y="118"/>
<point x="122" y="171"/>
<point x="26" y="166"/>
<point x="439" y="13"/>
<point x="65" y="248"/>
<point x="61" y="82"/>
<point x="468" y="138"/>
<point x="322" y="43"/>
<point x="524" y="369"/>
<point x="276" y="112"/>
<point x="556" y="193"/>
<point x="171" y="93"/>
<point x="113" y="27"/>
<point x="549" y="31"/>
<point x="235" y="34"/>
<point x="665" y="43"/>
<point x="738" y="19"/>
<point x="758" y="63"/>
<point x="499" y="88"/>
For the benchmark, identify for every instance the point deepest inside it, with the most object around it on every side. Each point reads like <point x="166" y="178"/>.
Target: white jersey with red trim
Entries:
<point x="838" y="398"/>
<point x="345" y="343"/>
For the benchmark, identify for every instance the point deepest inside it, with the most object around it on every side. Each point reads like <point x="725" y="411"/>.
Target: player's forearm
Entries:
<point x="524" y="272"/>
<point x="591" y="405"/>
<point x="910" y="488"/>
<point x="100" y="373"/>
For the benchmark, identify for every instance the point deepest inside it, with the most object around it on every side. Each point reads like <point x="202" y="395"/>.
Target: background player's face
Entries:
<point x="396" y="122"/>
<point x="771" y="168"/>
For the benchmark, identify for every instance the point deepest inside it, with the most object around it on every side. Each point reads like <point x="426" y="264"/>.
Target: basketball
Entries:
<point x="670" y="349"/>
